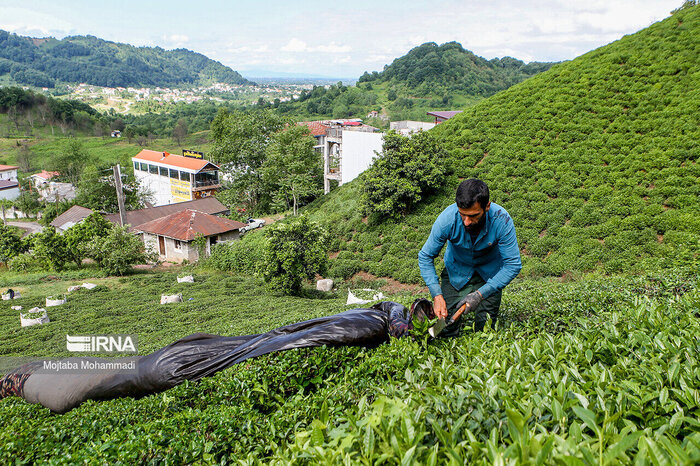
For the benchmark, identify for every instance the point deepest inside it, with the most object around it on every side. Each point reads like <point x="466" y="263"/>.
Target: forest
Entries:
<point x="88" y="59"/>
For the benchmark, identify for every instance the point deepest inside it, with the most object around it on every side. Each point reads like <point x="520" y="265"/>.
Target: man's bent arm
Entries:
<point x="426" y="259"/>
<point x="510" y="253"/>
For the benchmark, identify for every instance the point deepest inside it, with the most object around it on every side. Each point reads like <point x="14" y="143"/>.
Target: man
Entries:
<point x="482" y="256"/>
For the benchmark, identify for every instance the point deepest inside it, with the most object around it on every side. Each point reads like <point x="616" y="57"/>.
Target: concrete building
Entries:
<point x="174" y="178"/>
<point x="348" y="148"/>
<point x="41" y="178"/>
<point x="408" y="127"/>
<point x="173" y="236"/>
<point x="9" y="186"/>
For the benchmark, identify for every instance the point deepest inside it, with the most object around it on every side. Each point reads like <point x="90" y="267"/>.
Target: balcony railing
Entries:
<point x="205" y="183"/>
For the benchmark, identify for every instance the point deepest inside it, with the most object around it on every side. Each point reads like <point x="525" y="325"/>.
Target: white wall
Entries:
<point x="9" y="175"/>
<point x="358" y="152"/>
<point x="11" y="194"/>
<point x="407" y="127"/>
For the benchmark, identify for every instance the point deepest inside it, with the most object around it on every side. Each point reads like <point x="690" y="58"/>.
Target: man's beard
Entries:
<point x="476" y="227"/>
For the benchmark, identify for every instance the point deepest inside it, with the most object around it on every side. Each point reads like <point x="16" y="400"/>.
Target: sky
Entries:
<point x="340" y="39"/>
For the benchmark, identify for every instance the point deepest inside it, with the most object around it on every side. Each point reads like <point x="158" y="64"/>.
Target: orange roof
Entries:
<point x="7" y="167"/>
<point x="187" y="224"/>
<point x="173" y="160"/>
<point x="316" y="128"/>
<point x="46" y="175"/>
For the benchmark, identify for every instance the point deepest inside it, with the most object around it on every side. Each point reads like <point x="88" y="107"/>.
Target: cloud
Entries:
<point x="176" y="39"/>
<point x="295" y="45"/>
<point x="31" y="23"/>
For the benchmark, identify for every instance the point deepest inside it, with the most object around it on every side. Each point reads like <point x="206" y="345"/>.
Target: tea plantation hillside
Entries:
<point x="602" y="370"/>
<point x="596" y="160"/>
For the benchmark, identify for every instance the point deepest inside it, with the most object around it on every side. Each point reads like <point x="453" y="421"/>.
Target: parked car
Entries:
<point x="253" y="223"/>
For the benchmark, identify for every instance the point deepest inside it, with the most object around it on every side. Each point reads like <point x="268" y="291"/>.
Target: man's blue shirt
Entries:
<point x="494" y="255"/>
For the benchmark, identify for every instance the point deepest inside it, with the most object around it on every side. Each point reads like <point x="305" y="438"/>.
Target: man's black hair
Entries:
<point x="471" y="191"/>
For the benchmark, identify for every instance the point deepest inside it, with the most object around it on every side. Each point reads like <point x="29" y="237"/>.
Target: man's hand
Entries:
<point x="472" y="300"/>
<point x="440" y="307"/>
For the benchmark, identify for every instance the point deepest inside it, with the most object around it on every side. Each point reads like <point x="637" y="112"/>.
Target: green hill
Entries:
<point x="595" y="159"/>
<point x="432" y="69"/>
<point x="429" y="77"/>
<point x="88" y="59"/>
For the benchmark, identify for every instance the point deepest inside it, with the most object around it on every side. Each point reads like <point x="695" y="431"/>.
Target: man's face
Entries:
<point x="474" y="216"/>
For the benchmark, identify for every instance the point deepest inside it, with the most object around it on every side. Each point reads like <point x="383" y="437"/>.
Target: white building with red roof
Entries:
<point x="175" y="178"/>
<point x="172" y="236"/>
<point x="41" y="178"/>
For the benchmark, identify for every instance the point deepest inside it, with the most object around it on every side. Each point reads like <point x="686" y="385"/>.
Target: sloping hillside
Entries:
<point x="88" y="59"/>
<point x="432" y="69"/>
<point x="596" y="160"/>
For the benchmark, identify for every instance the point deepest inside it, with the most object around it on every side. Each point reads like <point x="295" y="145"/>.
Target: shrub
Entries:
<point x="244" y="256"/>
<point x="405" y="171"/>
<point x="295" y="250"/>
<point x="118" y="251"/>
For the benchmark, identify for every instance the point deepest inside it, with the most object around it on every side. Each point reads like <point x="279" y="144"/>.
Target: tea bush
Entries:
<point x="600" y="364"/>
<point x="588" y="151"/>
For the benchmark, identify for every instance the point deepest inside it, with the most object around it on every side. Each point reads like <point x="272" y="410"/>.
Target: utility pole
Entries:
<point x="120" y="193"/>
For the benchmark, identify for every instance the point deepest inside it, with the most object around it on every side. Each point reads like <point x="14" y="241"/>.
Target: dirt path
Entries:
<point x="28" y="227"/>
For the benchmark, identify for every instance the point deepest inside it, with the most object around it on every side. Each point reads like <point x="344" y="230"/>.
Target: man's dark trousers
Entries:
<point x="487" y="308"/>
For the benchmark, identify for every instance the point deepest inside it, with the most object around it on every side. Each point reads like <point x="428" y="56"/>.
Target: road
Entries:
<point x="29" y="227"/>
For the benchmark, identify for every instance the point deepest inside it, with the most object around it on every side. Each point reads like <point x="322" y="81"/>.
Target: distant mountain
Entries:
<point x="432" y="69"/>
<point x="87" y="59"/>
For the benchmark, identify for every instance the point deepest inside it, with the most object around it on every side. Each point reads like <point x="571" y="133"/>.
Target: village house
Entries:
<point x="173" y="236"/>
<point x="175" y="178"/>
<point x="9" y="186"/>
<point x="70" y="217"/>
<point x="134" y="218"/>
<point x="41" y="178"/>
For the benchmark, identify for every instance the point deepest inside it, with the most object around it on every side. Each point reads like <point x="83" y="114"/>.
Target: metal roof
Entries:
<point x="209" y="205"/>
<point x="7" y="184"/>
<point x="171" y="160"/>
<point x="186" y="225"/>
<point x="73" y="215"/>
<point x="446" y="114"/>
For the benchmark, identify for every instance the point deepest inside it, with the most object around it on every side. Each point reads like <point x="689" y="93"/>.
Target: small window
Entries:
<point x="184" y="176"/>
<point x="136" y="165"/>
<point x="174" y="174"/>
<point x="144" y="167"/>
<point x="163" y="171"/>
<point x="153" y="169"/>
<point x="178" y="244"/>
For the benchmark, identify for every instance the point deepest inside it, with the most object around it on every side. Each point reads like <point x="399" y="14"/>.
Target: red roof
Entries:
<point x="4" y="168"/>
<point x="316" y="128"/>
<point x="46" y="175"/>
<point x="135" y="218"/>
<point x="187" y="224"/>
<point x="173" y="160"/>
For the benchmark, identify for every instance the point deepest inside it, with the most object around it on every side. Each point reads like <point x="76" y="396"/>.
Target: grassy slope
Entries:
<point x="105" y="150"/>
<point x="595" y="159"/>
<point x="589" y="343"/>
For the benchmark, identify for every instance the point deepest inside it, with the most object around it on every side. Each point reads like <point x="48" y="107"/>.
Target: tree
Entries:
<point x="180" y="130"/>
<point x="295" y="251"/>
<point x="293" y="169"/>
<point x="96" y="191"/>
<point x="72" y="161"/>
<point x="117" y="252"/>
<point x="28" y="202"/>
<point x="240" y="144"/>
<point x="51" y="247"/>
<point x="407" y="169"/>
<point x="79" y="236"/>
<point x="10" y="243"/>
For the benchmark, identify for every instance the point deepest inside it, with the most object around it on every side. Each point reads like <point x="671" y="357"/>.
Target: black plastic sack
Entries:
<point x="202" y="355"/>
